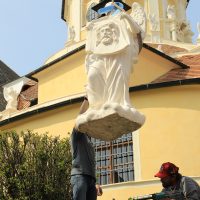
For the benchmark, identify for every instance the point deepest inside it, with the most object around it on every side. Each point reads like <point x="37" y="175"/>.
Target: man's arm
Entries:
<point x="191" y="189"/>
<point x="83" y="108"/>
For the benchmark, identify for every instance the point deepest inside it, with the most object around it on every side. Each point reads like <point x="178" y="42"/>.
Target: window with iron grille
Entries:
<point x="114" y="160"/>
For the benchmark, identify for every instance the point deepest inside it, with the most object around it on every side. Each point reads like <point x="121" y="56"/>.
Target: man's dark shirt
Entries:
<point x="83" y="155"/>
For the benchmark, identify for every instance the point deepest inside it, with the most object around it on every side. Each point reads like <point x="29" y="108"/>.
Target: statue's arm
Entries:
<point x="83" y="109"/>
<point x="135" y="28"/>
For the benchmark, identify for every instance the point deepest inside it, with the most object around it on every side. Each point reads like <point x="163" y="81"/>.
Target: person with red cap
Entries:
<point x="173" y="182"/>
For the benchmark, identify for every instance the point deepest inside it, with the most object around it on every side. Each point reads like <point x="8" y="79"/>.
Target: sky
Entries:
<point x="32" y="30"/>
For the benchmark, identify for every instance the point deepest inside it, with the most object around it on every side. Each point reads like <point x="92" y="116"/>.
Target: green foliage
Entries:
<point x="34" y="167"/>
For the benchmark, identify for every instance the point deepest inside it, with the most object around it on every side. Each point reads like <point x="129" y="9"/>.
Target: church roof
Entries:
<point x="168" y="49"/>
<point x="193" y="72"/>
<point x="6" y="75"/>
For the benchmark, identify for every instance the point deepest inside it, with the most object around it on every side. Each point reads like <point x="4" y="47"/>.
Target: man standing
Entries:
<point x="174" y="182"/>
<point x="83" y="173"/>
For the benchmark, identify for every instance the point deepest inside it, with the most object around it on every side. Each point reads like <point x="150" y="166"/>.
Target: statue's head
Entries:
<point x="107" y="34"/>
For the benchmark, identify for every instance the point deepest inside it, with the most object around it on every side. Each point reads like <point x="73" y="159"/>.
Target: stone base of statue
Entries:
<point x="110" y="122"/>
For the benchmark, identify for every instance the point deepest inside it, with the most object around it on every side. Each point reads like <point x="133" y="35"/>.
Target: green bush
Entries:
<point x="34" y="167"/>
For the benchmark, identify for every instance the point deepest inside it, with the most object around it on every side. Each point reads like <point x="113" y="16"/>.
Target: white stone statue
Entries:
<point x="139" y="16"/>
<point x="154" y="24"/>
<point x="155" y="28"/>
<point x="112" y="48"/>
<point x="11" y="92"/>
<point x="171" y="13"/>
<point x="183" y="31"/>
<point x="71" y="33"/>
<point x="11" y="97"/>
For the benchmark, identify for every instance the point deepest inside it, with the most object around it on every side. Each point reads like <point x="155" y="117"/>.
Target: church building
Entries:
<point x="164" y="86"/>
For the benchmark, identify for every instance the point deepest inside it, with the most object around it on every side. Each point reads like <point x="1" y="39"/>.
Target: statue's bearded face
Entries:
<point x="106" y="35"/>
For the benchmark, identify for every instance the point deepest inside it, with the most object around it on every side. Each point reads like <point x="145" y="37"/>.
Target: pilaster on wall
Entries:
<point x="154" y="20"/>
<point x="181" y="9"/>
<point x="166" y="33"/>
<point x="153" y="6"/>
<point x="136" y="155"/>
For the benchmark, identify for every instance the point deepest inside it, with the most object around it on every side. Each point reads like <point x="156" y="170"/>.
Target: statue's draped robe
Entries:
<point x="108" y="67"/>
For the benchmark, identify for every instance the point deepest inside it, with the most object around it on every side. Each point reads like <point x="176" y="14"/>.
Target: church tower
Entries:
<point x="166" y="19"/>
<point x="76" y="13"/>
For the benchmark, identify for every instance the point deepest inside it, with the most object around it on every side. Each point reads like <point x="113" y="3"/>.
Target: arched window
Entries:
<point x="91" y="14"/>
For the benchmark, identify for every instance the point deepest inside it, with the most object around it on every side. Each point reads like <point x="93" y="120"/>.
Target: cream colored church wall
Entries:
<point x="65" y="78"/>
<point x="171" y="131"/>
<point x="58" y="122"/>
<point x="68" y="76"/>
<point x="123" y="191"/>
<point x="149" y="68"/>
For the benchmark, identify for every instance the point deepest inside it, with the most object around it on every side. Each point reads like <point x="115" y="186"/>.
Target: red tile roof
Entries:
<point x="168" y="49"/>
<point x="193" y="61"/>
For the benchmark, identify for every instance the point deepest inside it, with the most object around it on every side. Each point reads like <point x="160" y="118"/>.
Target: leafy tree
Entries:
<point x="34" y="167"/>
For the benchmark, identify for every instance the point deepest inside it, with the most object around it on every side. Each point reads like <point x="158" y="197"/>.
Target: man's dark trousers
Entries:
<point x="83" y="187"/>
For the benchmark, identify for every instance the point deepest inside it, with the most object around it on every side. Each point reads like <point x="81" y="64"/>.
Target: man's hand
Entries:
<point x="84" y="106"/>
<point x="99" y="190"/>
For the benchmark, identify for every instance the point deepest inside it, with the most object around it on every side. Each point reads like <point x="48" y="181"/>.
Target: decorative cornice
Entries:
<point x="81" y="98"/>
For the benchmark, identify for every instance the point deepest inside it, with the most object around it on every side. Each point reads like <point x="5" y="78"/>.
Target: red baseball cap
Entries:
<point x="167" y="169"/>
